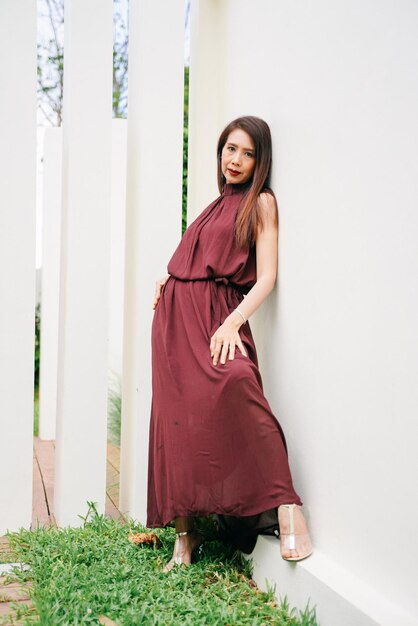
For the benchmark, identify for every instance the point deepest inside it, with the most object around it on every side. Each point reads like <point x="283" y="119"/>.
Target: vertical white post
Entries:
<point x="17" y="258"/>
<point x="154" y="187"/>
<point x="207" y="45"/>
<point x="51" y="239"/>
<point x="84" y="287"/>
<point x="117" y="252"/>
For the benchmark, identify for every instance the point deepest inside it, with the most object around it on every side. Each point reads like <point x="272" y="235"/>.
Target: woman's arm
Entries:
<point x="267" y="259"/>
<point x="227" y="337"/>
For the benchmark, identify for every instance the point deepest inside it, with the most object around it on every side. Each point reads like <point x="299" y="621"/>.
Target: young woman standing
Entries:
<point x="215" y="446"/>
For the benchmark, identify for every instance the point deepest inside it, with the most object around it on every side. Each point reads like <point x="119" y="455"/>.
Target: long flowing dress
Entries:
<point x="215" y="446"/>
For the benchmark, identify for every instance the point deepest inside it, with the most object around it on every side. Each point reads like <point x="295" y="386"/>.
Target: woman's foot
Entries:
<point x="186" y="542"/>
<point x="295" y="543"/>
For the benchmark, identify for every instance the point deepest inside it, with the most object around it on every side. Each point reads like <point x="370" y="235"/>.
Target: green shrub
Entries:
<point x="37" y="343"/>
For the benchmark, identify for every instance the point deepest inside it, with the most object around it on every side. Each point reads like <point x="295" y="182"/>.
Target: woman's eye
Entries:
<point x="246" y="154"/>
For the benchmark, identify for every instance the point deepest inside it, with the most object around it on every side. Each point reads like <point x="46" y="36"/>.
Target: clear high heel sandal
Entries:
<point x="291" y="541"/>
<point x="177" y="559"/>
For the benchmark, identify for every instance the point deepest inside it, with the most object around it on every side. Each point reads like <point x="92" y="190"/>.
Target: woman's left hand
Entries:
<point x="226" y="338"/>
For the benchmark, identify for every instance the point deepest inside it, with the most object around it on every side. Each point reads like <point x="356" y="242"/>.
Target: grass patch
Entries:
<point x="78" y="574"/>
<point x="36" y="412"/>
<point x="6" y="554"/>
<point x="114" y="413"/>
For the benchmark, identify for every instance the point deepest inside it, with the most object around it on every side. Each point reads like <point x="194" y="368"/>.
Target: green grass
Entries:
<point x="114" y="412"/>
<point x="79" y="574"/>
<point x="36" y="412"/>
<point x="6" y="555"/>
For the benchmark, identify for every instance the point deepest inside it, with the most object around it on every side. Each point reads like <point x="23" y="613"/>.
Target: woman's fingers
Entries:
<point x="216" y="349"/>
<point x="212" y="345"/>
<point x="241" y="347"/>
<point x="156" y="295"/>
<point x="224" y="341"/>
<point x="224" y="352"/>
<point x="220" y="346"/>
<point x="159" y="284"/>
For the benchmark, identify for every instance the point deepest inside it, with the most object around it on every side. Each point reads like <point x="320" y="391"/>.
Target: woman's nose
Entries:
<point x="236" y="158"/>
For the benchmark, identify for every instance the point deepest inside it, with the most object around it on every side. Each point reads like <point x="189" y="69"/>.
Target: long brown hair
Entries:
<point x="249" y="216"/>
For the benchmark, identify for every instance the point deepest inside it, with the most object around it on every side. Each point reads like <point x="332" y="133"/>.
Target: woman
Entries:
<point x="215" y="445"/>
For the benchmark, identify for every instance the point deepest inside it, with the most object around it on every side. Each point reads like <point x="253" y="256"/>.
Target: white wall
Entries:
<point x="153" y="218"/>
<point x="117" y="250"/>
<point x="17" y="258"/>
<point x="51" y="221"/>
<point x="50" y="279"/>
<point x="85" y="261"/>
<point x="206" y="104"/>
<point x="337" y="82"/>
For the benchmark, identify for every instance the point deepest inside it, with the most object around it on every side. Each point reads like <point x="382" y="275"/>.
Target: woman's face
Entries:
<point x="238" y="157"/>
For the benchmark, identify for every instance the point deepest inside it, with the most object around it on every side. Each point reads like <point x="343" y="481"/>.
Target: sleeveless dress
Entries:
<point x="215" y="446"/>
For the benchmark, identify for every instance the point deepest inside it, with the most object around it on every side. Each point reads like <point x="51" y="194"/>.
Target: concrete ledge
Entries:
<point x="340" y="598"/>
<point x="6" y="568"/>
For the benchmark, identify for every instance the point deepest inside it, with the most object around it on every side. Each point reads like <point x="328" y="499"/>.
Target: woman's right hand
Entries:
<point x="158" y="286"/>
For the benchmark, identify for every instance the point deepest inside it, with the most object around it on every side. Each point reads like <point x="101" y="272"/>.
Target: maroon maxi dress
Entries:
<point x="215" y="445"/>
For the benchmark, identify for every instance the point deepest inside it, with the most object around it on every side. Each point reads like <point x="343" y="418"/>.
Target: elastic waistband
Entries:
<point x="216" y="279"/>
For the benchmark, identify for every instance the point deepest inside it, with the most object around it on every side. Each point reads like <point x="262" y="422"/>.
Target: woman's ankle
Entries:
<point x="183" y="524"/>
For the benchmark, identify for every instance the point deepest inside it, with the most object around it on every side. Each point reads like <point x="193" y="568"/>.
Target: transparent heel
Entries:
<point x="179" y="556"/>
<point x="300" y="543"/>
